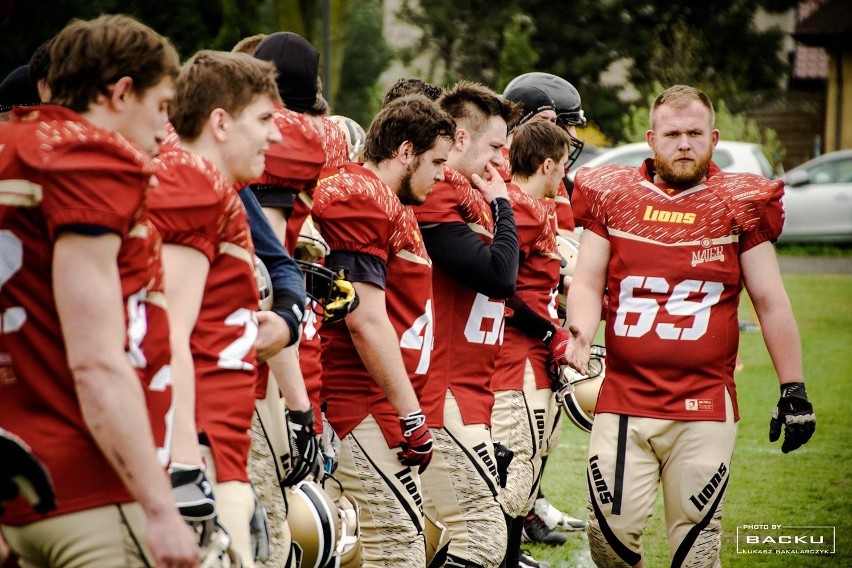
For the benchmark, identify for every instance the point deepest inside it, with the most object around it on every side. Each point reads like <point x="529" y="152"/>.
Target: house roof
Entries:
<point x="829" y="24"/>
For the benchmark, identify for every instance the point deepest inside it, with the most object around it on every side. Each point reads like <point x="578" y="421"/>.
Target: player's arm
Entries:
<point x="288" y="376"/>
<point x="763" y="282"/>
<point x="378" y="345"/>
<point x="185" y="271"/>
<point x="89" y="303"/>
<point x="492" y="269"/>
<point x="583" y="301"/>
<point x="288" y="283"/>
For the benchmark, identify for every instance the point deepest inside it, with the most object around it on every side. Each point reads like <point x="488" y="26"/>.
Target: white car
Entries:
<point x="729" y="156"/>
<point x="818" y="200"/>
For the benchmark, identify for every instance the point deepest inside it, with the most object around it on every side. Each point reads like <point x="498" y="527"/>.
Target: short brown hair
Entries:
<point x="533" y="143"/>
<point x="410" y="86"/>
<point x="87" y="57"/>
<point x="473" y="104"/>
<point x="679" y="96"/>
<point x="218" y="79"/>
<point x="412" y="118"/>
<point x="249" y="44"/>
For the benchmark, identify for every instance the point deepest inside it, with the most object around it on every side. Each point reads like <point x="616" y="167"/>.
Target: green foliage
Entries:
<point x="733" y="126"/>
<point x="518" y="55"/>
<point x="366" y="56"/>
<point x="809" y="487"/>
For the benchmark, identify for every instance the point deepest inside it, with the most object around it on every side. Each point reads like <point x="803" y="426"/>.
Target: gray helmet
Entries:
<point x="565" y="97"/>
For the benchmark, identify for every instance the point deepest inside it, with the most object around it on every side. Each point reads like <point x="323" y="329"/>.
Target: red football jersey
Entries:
<point x="538" y="278"/>
<point x="564" y="212"/>
<point x="356" y="212"/>
<point x="468" y="325"/>
<point x="673" y="284"/>
<point x="59" y="170"/>
<point x="310" y="360"/>
<point x="195" y="206"/>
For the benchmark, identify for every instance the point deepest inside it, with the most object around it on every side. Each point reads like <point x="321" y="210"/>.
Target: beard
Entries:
<point x="682" y="175"/>
<point x="406" y="193"/>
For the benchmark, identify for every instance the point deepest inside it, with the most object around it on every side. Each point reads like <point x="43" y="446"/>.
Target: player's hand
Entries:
<point x="330" y="446"/>
<point x="417" y="447"/>
<point x="492" y="188"/>
<point x="557" y="344"/>
<point x="193" y="492"/>
<point x="578" y="350"/>
<point x="304" y="446"/>
<point x="273" y="335"/>
<point x="172" y="541"/>
<point x="796" y="414"/>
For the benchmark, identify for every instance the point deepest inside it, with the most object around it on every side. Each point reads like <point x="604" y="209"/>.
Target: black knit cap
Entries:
<point x="297" y="62"/>
<point x="18" y="89"/>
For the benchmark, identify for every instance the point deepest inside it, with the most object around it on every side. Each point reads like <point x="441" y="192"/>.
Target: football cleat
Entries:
<point x="555" y="519"/>
<point x="535" y="530"/>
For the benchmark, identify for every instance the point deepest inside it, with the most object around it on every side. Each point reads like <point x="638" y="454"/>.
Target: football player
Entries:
<point x="222" y="113"/>
<point x="524" y="406"/>
<point x="469" y="231"/>
<point x="84" y="348"/>
<point x="673" y="242"/>
<point x="375" y="362"/>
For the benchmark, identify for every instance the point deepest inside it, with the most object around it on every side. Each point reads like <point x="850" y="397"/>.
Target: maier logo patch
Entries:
<point x="699" y="404"/>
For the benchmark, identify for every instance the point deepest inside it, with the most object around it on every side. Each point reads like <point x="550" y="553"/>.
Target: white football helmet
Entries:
<point x="569" y="250"/>
<point x="578" y="394"/>
<point x="355" y="135"/>
<point x="328" y="533"/>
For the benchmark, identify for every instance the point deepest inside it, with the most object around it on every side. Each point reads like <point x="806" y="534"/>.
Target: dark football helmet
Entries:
<point x="331" y="290"/>
<point x="569" y="111"/>
<point x="23" y="474"/>
<point x="532" y="98"/>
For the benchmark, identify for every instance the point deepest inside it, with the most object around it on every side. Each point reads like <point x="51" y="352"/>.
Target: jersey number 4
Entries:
<point x="678" y="304"/>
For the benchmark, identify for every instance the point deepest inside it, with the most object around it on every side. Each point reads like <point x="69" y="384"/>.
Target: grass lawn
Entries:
<point x="809" y="487"/>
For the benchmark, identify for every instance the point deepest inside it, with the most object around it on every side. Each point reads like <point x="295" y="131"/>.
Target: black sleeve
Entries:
<point x="274" y="196"/>
<point x="288" y="284"/>
<point x="492" y="269"/>
<point x="527" y="320"/>
<point x="362" y="267"/>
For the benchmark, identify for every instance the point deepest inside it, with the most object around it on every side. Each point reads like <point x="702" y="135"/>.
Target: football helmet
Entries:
<point x="569" y="110"/>
<point x="327" y="533"/>
<point x="216" y="549"/>
<point x="355" y="135"/>
<point x="331" y="290"/>
<point x="578" y="394"/>
<point x="264" y="284"/>
<point x="569" y="250"/>
<point x="532" y="98"/>
<point x="310" y="246"/>
<point x="22" y="473"/>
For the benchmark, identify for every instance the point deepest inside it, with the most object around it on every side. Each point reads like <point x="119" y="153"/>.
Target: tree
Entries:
<point x="365" y="57"/>
<point x="518" y="54"/>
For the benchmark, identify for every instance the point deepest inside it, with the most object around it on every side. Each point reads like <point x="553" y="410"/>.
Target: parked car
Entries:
<point x="729" y="156"/>
<point x="818" y="200"/>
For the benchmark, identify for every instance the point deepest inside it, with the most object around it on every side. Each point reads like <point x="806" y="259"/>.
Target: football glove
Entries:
<point x="330" y="446"/>
<point x="22" y="473"/>
<point x="796" y="414"/>
<point x="259" y="530"/>
<point x="557" y="343"/>
<point x="193" y="492"/>
<point x="303" y="445"/>
<point x="417" y="447"/>
<point x="503" y="456"/>
<point x="342" y="299"/>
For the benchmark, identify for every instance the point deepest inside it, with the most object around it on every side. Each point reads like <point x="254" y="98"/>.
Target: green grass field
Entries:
<point x="809" y="487"/>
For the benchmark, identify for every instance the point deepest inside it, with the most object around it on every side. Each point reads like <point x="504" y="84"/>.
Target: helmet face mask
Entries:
<point x="578" y="394"/>
<point x="334" y="296"/>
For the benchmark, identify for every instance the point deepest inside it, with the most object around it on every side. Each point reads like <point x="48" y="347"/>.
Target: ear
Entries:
<point x="547" y="166"/>
<point x="461" y="139"/>
<point x="649" y="138"/>
<point x="405" y="152"/>
<point x="219" y="124"/>
<point x="121" y="92"/>
<point x="714" y="136"/>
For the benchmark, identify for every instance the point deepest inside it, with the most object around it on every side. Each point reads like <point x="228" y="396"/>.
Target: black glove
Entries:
<point x="796" y="414"/>
<point x="193" y="493"/>
<point x="21" y="473"/>
<point x="417" y="447"/>
<point x="504" y="457"/>
<point x="303" y="445"/>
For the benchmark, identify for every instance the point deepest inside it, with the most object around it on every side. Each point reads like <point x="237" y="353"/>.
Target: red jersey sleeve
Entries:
<point x="356" y="223"/>
<point x="526" y="222"/>
<point x="186" y="204"/>
<point x="588" y="210"/>
<point x="762" y="209"/>
<point x="441" y="206"/>
<point x="295" y="162"/>
<point x="98" y="181"/>
<point x="564" y="212"/>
